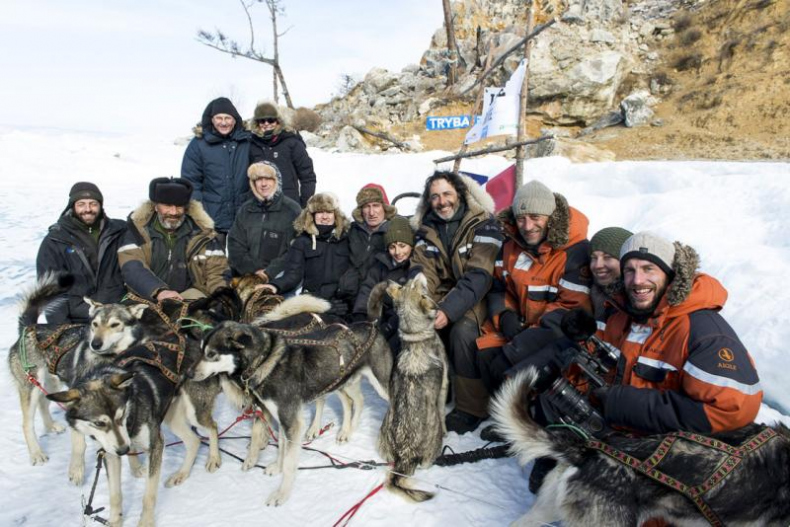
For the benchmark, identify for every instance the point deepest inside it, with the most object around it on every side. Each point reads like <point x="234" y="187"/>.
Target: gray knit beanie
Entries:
<point x="399" y="231"/>
<point x="610" y="240"/>
<point x="534" y="198"/>
<point x="651" y="247"/>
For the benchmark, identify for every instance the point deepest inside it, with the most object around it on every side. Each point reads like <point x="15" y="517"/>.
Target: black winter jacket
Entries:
<point x="382" y="269"/>
<point x="217" y="168"/>
<point x="287" y="150"/>
<point x="68" y="249"/>
<point x="261" y="235"/>
<point x="364" y="247"/>
<point x="320" y="269"/>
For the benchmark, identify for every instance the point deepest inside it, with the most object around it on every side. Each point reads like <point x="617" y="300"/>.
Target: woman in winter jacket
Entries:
<point x="216" y="162"/>
<point x="319" y="256"/>
<point x="393" y="265"/>
<point x="272" y="142"/>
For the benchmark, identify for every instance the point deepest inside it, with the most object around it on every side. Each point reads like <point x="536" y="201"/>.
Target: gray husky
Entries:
<point x="283" y="374"/>
<point x="413" y="427"/>
<point x="51" y="354"/>
<point x="590" y="487"/>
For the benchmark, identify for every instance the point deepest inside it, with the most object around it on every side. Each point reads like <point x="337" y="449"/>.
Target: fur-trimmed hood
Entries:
<point x="567" y="225"/>
<point x="325" y="201"/>
<point x="145" y="212"/>
<point x="477" y="201"/>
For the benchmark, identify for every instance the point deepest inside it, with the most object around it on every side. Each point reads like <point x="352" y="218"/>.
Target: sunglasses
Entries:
<point x="267" y="120"/>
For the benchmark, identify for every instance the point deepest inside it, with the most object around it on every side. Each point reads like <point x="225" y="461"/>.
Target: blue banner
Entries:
<point x="448" y="122"/>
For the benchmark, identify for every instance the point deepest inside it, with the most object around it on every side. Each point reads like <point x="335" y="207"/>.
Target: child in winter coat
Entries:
<point x="393" y="265"/>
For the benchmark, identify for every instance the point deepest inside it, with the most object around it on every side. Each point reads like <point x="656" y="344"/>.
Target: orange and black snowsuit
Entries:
<point x="684" y="368"/>
<point x="539" y="287"/>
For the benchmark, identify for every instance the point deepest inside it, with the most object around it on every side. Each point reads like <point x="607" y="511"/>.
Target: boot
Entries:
<point x="471" y="405"/>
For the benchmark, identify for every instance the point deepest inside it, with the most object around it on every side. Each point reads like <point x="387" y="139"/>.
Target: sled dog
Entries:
<point x="590" y="487"/>
<point x="413" y="427"/>
<point x="283" y="374"/>
<point x="50" y="354"/>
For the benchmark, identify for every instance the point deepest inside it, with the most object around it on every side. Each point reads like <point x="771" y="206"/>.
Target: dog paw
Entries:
<point x="138" y="470"/>
<point x="213" y="463"/>
<point x="312" y="433"/>
<point x="38" y="458"/>
<point x="77" y="475"/>
<point x="176" y="479"/>
<point x="272" y="470"/>
<point x="116" y="523"/>
<point x="146" y="522"/>
<point x="56" y="428"/>
<point x="277" y="498"/>
<point x="343" y="437"/>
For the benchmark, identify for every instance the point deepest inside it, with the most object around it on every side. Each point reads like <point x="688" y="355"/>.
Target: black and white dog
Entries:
<point x="283" y="374"/>
<point x="588" y="487"/>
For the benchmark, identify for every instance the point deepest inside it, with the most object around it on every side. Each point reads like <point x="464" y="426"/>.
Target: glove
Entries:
<point x="598" y="398"/>
<point x="339" y="307"/>
<point x="510" y="323"/>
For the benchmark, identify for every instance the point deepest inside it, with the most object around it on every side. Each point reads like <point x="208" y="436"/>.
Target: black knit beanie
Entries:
<point x="84" y="190"/>
<point x="610" y="240"/>
<point x="399" y="231"/>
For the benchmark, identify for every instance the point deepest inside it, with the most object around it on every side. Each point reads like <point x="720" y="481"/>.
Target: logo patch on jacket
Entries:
<point x="727" y="356"/>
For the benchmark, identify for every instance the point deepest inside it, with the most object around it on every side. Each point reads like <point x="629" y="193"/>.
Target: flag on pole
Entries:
<point x="502" y="188"/>
<point x="500" y="109"/>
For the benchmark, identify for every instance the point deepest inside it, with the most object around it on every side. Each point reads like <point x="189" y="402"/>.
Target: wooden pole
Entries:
<point x="493" y="148"/>
<point x="452" y="47"/>
<point x="521" y="151"/>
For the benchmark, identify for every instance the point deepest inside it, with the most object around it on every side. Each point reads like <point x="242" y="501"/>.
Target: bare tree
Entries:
<point x="221" y="42"/>
<point x="452" y="46"/>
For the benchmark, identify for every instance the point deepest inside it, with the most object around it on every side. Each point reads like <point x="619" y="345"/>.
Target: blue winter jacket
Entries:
<point x="217" y="167"/>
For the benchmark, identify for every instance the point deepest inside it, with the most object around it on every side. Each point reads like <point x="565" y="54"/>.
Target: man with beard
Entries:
<point x="171" y="249"/>
<point x="216" y="162"/>
<point x="457" y="241"/>
<point x="84" y="242"/>
<point x="683" y="367"/>
<point x="263" y="229"/>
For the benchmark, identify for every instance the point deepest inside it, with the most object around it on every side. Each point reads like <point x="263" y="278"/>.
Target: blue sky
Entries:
<point x="135" y="67"/>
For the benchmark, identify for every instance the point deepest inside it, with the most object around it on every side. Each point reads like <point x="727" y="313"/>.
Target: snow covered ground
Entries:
<point x="735" y="214"/>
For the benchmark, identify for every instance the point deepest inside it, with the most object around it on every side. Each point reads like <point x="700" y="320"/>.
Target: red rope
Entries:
<point x="343" y="521"/>
<point x="37" y="384"/>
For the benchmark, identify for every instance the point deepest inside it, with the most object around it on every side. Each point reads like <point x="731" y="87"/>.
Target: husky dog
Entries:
<point x="413" y="427"/>
<point x="74" y="352"/>
<point x="588" y="487"/>
<point x="283" y="374"/>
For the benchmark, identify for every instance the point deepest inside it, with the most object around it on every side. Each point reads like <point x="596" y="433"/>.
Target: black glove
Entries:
<point x="598" y="398"/>
<point x="510" y="323"/>
<point x="339" y="307"/>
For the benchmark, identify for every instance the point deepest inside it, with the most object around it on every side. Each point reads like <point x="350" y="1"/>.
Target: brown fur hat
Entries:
<point x="371" y="193"/>
<point x="322" y="202"/>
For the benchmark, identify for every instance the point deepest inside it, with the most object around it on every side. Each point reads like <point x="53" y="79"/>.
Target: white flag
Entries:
<point x="500" y="109"/>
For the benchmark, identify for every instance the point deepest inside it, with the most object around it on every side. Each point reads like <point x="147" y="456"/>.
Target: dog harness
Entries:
<point x="260" y="303"/>
<point x="731" y="458"/>
<point x="53" y="341"/>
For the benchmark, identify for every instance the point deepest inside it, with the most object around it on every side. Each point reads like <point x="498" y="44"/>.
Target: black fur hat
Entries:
<point x="170" y="191"/>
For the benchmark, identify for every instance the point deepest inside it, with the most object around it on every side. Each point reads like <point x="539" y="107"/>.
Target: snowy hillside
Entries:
<point x="735" y="214"/>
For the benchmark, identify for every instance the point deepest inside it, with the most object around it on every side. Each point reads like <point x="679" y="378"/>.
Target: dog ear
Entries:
<point x="69" y="396"/>
<point x="93" y="305"/>
<point x="120" y="381"/>
<point x="137" y="310"/>
<point x="241" y="340"/>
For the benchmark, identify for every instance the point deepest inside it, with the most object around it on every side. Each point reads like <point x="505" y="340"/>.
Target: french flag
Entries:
<point x="501" y="187"/>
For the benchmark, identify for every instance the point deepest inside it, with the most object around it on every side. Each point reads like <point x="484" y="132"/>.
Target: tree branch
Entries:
<point x="249" y="20"/>
<point x="235" y="52"/>
<point x="493" y="148"/>
<point x="384" y="136"/>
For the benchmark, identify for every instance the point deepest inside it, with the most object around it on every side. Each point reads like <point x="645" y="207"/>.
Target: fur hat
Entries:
<point x="399" y="231"/>
<point x="84" y="190"/>
<point x="170" y="191"/>
<point x="372" y="193"/>
<point x="262" y="169"/>
<point x="322" y="202"/>
<point x="534" y="198"/>
<point x="609" y="240"/>
<point x="264" y="110"/>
